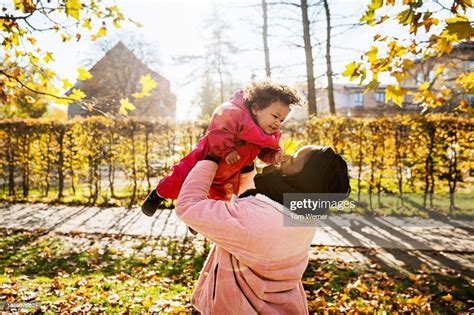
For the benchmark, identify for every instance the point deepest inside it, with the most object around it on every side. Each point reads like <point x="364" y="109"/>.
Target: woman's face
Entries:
<point x="296" y="162"/>
<point x="270" y="118"/>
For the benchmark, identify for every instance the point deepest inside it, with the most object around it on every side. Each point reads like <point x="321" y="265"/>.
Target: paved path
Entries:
<point x="447" y="242"/>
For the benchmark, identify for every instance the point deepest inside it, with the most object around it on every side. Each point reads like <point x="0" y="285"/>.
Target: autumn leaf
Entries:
<point x="101" y="32"/>
<point x="83" y="74"/>
<point x="375" y="4"/>
<point x="148" y="84"/>
<point x="290" y="146"/>
<point x="417" y="300"/>
<point x="406" y="17"/>
<point x="424" y="86"/>
<point x="32" y="40"/>
<point x="395" y="93"/>
<point x="460" y="27"/>
<point x="447" y="298"/>
<point x="466" y="80"/>
<point x="125" y="106"/>
<point x="372" y="54"/>
<point x="48" y="57"/>
<point x="87" y="24"/>
<point x="77" y="94"/>
<point x="352" y="70"/>
<point x="73" y="8"/>
<point x="30" y="99"/>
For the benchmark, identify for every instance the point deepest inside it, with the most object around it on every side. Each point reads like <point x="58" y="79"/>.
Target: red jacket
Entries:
<point x="231" y="123"/>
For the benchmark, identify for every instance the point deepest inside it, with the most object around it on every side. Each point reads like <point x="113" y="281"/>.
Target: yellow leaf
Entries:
<point x="66" y="84"/>
<point x="375" y="4"/>
<point x="73" y="8"/>
<point x="406" y="17"/>
<point x="368" y="17"/>
<point x="399" y="76"/>
<point x="148" y="84"/>
<point x="87" y="24"/>
<point x="116" y="24"/>
<point x="353" y="71"/>
<point x="466" y="80"/>
<point x="425" y="86"/>
<point x="48" y="57"/>
<point x="372" y="54"/>
<point x="65" y="38"/>
<point x="30" y="99"/>
<point x="465" y="4"/>
<point x="373" y="85"/>
<point x="125" y="106"/>
<point x="439" y="70"/>
<point x="147" y="302"/>
<point x="447" y="298"/>
<point x="83" y="74"/>
<point x="417" y="300"/>
<point x="459" y="27"/>
<point x="101" y="32"/>
<point x="77" y="94"/>
<point x="63" y="101"/>
<point x="32" y="40"/>
<point x="394" y="93"/>
<point x="290" y="146"/>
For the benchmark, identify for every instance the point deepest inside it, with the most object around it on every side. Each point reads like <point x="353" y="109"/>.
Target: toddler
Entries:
<point x="246" y="127"/>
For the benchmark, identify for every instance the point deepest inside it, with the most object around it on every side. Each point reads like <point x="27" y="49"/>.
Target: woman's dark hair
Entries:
<point x="263" y="93"/>
<point x="325" y="172"/>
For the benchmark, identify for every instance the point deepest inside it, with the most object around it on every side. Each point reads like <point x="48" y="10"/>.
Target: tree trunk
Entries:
<point x="312" y="110"/>
<point x="332" y="105"/>
<point x="266" y="50"/>
<point x="60" y="140"/>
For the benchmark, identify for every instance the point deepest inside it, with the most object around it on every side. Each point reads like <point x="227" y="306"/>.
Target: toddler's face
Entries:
<point x="271" y="117"/>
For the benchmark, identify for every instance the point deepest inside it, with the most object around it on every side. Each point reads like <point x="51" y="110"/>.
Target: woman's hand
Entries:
<point x="232" y="157"/>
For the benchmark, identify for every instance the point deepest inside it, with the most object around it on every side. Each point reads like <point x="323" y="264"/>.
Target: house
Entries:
<point x="459" y="60"/>
<point x="350" y="99"/>
<point x="116" y="76"/>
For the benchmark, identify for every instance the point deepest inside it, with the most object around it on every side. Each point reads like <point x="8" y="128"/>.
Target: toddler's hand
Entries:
<point x="232" y="157"/>
<point x="280" y="157"/>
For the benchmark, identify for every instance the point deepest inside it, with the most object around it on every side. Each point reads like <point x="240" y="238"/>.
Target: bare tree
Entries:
<point x="332" y="105"/>
<point x="215" y="66"/>
<point x="312" y="109"/>
<point x="266" y="50"/>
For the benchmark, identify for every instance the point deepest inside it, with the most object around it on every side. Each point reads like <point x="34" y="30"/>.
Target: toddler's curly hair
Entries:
<point x="263" y="93"/>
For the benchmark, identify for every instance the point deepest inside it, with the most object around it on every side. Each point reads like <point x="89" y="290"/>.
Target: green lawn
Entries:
<point x="93" y="273"/>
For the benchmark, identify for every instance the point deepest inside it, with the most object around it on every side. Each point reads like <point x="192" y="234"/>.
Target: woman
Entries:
<point x="257" y="263"/>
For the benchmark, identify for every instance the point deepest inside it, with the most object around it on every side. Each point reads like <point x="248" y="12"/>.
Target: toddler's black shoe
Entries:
<point x="151" y="203"/>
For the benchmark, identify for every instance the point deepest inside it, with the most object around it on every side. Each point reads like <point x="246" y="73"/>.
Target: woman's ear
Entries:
<point x="254" y="109"/>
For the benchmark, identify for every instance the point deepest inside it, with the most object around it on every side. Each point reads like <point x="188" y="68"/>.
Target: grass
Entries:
<point x="91" y="273"/>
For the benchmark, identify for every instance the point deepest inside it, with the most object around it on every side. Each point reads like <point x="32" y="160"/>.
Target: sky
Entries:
<point x="178" y="28"/>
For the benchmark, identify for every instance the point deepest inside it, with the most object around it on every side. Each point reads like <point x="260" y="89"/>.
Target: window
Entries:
<point x="470" y="99"/>
<point x="380" y="97"/>
<point x="470" y="65"/>
<point x="419" y="78"/>
<point x="359" y="99"/>
<point x="431" y="76"/>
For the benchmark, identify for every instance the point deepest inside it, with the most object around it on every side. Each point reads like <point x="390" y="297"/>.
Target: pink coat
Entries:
<point x="230" y="123"/>
<point x="257" y="264"/>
